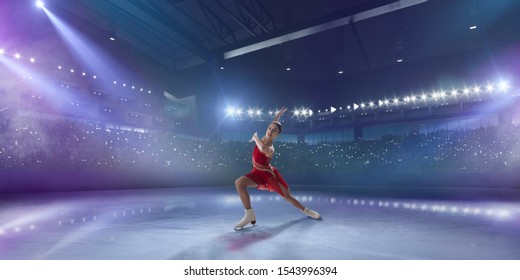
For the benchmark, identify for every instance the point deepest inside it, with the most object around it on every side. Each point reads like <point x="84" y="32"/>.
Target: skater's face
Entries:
<point x="272" y="131"/>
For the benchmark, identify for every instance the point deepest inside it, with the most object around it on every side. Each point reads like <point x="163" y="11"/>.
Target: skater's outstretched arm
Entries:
<point x="279" y="114"/>
<point x="264" y="148"/>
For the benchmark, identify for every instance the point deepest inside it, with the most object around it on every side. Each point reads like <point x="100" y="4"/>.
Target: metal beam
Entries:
<point x="249" y="13"/>
<point x="223" y="32"/>
<point x="358" y="13"/>
<point x="236" y="19"/>
<point x="360" y="44"/>
<point x="222" y="28"/>
<point x="146" y="16"/>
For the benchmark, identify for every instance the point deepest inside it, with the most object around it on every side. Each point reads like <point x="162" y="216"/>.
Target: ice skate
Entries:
<point x="249" y="217"/>
<point x="311" y="213"/>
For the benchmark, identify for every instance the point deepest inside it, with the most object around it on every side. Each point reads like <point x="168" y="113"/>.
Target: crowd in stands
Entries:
<point x="29" y="143"/>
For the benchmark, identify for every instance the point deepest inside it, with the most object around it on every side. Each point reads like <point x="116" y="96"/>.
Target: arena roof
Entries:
<point x="317" y="39"/>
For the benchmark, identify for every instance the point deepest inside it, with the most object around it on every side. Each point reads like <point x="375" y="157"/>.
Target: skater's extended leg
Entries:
<point x="289" y="198"/>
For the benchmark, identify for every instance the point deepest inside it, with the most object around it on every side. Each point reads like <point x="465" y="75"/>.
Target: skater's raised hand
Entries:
<point x="253" y="137"/>
<point x="280" y="113"/>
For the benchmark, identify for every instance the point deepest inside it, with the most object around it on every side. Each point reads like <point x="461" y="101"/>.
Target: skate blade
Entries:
<point x="246" y="227"/>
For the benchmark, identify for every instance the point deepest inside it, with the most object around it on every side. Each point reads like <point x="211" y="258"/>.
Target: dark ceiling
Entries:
<point x="316" y="38"/>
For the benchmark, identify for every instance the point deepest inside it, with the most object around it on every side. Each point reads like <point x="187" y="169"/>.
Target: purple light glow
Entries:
<point x="40" y="4"/>
<point x="40" y="82"/>
<point x="87" y="51"/>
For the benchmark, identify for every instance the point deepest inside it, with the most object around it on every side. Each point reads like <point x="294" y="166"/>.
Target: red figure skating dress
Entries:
<point x="264" y="174"/>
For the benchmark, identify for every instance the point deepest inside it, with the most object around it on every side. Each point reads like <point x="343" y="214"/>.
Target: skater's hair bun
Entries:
<point x="279" y="125"/>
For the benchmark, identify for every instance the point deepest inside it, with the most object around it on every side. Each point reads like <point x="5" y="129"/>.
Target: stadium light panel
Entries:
<point x="230" y="111"/>
<point x="503" y="86"/>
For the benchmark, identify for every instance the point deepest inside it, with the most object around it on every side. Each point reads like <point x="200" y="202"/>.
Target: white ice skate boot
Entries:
<point x="249" y="217"/>
<point x="312" y="214"/>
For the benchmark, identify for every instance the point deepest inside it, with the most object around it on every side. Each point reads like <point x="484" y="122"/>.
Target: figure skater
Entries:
<point x="265" y="176"/>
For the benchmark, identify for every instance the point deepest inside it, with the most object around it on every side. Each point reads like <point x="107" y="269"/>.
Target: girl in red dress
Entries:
<point x="264" y="176"/>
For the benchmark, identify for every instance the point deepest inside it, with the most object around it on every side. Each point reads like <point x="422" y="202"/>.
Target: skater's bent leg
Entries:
<point x="241" y="185"/>
<point x="289" y="198"/>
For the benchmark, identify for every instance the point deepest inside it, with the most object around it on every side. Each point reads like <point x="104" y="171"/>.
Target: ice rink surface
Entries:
<point x="197" y="224"/>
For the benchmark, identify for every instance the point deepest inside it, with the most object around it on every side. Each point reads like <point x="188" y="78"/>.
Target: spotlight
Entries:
<point x="503" y="86"/>
<point x="112" y="35"/>
<point x="2" y="51"/>
<point x="32" y="60"/>
<point x="17" y="56"/>
<point x="40" y="4"/>
<point x="288" y="69"/>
